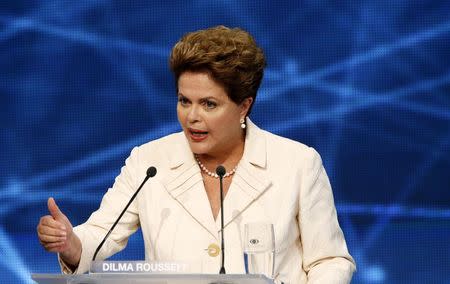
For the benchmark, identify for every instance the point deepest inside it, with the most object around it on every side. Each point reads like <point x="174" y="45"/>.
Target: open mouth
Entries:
<point x="197" y="135"/>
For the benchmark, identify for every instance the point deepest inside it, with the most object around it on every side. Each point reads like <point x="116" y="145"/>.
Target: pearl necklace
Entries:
<point x="211" y="174"/>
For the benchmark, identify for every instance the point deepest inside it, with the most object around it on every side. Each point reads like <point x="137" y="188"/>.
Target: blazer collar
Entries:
<point x="185" y="184"/>
<point x="255" y="145"/>
<point x="251" y="179"/>
<point x="180" y="152"/>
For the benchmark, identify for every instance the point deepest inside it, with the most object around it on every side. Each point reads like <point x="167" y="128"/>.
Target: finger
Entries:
<point x="48" y="221"/>
<point x="51" y="239"/>
<point x="56" y="247"/>
<point x="55" y="250"/>
<point x="46" y="242"/>
<point x="54" y="209"/>
<point x="52" y="244"/>
<point x="47" y="231"/>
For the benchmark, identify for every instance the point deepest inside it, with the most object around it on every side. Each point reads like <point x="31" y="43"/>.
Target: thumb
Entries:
<point x="54" y="209"/>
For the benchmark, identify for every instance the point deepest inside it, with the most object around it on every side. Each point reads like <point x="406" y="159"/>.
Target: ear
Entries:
<point x="245" y="106"/>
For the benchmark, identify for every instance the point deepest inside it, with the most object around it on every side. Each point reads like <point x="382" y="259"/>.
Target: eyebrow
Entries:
<point x="201" y="99"/>
<point x="209" y="98"/>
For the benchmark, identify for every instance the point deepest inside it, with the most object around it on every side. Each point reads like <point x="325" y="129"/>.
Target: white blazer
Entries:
<point x="278" y="181"/>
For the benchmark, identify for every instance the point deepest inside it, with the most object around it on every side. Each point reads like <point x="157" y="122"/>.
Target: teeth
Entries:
<point x="199" y="133"/>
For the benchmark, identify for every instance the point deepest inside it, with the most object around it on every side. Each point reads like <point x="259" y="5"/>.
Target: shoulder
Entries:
<point x="158" y="149"/>
<point x="289" y="148"/>
<point x="163" y="142"/>
<point x="279" y="151"/>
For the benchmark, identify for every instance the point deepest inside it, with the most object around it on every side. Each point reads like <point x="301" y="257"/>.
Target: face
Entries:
<point x="210" y="120"/>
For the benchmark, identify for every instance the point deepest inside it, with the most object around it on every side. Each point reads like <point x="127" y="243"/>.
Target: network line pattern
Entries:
<point x="366" y="84"/>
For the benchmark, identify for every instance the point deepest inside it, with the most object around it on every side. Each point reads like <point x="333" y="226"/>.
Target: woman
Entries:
<point x="218" y="72"/>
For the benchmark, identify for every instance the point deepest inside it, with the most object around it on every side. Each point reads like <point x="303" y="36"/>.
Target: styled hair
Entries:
<point x="230" y="56"/>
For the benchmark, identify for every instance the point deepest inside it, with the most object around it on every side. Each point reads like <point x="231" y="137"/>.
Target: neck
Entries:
<point x="228" y="158"/>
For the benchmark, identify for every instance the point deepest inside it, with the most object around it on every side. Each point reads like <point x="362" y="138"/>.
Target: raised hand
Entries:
<point x="55" y="233"/>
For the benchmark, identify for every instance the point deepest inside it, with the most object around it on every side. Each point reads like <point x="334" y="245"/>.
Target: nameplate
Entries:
<point x="138" y="267"/>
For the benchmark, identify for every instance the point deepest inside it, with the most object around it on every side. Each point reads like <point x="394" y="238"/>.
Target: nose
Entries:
<point x="193" y="114"/>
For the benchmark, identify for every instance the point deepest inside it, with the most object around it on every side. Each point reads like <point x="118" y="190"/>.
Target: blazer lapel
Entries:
<point x="250" y="180"/>
<point x="185" y="184"/>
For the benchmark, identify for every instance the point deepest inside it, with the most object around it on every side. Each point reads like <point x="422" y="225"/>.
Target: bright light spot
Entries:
<point x="374" y="274"/>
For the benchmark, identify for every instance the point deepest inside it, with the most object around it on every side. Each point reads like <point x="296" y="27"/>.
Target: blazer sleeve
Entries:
<point x="92" y="232"/>
<point x="325" y="255"/>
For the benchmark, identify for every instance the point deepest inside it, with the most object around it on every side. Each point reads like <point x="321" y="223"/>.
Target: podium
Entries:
<point x="141" y="278"/>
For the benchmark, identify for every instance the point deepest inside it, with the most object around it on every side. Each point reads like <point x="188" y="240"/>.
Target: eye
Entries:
<point x="210" y="104"/>
<point x="183" y="100"/>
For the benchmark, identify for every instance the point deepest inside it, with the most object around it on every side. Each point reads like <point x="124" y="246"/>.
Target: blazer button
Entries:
<point x="213" y="250"/>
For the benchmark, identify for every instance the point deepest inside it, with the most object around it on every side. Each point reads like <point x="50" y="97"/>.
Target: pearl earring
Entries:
<point x="242" y="121"/>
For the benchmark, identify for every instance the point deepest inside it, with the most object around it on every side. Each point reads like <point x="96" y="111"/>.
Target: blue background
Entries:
<point x="367" y="83"/>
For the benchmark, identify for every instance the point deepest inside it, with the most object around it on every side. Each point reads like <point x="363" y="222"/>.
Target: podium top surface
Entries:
<point x="131" y="278"/>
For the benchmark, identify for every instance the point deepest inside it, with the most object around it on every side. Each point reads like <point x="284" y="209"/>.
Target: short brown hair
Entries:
<point x="230" y="56"/>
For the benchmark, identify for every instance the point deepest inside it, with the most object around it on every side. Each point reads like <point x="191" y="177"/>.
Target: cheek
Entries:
<point x="181" y="116"/>
<point x="226" y="126"/>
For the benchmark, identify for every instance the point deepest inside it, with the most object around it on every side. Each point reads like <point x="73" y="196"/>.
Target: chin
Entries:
<point x="198" y="149"/>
